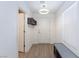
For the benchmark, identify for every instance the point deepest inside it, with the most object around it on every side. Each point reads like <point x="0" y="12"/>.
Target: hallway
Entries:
<point x="51" y="22"/>
<point x="39" y="29"/>
<point x="39" y="51"/>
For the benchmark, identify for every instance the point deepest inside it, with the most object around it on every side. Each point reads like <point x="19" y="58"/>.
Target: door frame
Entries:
<point x="21" y="11"/>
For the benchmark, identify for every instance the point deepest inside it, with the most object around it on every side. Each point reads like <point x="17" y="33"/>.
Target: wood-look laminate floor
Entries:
<point x="40" y="51"/>
<point x="21" y="54"/>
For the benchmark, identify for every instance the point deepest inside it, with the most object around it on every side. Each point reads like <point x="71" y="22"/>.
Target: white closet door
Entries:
<point x="21" y="32"/>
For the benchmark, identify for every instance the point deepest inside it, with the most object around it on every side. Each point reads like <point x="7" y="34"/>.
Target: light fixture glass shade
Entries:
<point x="43" y="11"/>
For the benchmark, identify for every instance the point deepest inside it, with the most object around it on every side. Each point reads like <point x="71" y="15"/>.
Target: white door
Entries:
<point x="21" y="33"/>
<point x="44" y="31"/>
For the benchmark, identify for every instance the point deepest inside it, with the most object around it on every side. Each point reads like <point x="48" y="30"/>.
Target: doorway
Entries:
<point x="21" y="32"/>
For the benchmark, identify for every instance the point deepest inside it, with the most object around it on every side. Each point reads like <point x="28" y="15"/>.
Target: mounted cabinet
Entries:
<point x="31" y="21"/>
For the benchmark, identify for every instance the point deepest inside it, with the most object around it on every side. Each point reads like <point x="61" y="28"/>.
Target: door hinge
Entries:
<point x="24" y="45"/>
<point x="24" y="31"/>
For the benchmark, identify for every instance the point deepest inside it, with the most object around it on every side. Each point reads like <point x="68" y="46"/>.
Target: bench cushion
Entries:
<point x="64" y="51"/>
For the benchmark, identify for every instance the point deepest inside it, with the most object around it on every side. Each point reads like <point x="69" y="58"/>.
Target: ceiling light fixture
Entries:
<point x="44" y="5"/>
<point x="43" y="11"/>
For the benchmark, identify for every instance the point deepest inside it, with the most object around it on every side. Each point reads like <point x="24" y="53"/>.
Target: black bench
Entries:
<point x="61" y="51"/>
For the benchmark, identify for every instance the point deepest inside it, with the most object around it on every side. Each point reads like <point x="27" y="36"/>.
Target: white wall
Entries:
<point x="43" y="30"/>
<point x="59" y="28"/>
<point x="28" y="35"/>
<point x="64" y="7"/>
<point x="68" y="29"/>
<point x="8" y="29"/>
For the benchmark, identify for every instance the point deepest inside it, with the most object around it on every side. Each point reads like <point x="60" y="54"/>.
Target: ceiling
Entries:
<point x="52" y="6"/>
